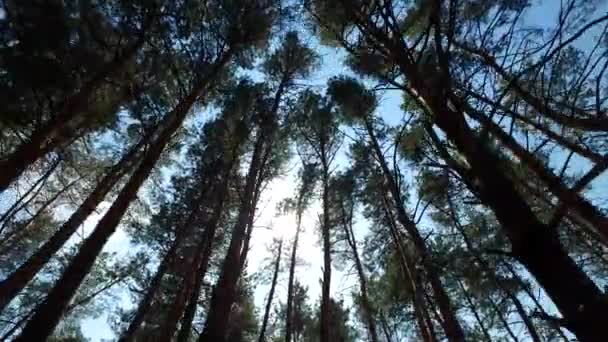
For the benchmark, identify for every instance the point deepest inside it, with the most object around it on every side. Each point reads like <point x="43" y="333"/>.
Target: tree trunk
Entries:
<point x="146" y="301"/>
<point x="451" y="326"/>
<point x="568" y="198"/>
<point x="15" y="282"/>
<point x="491" y="273"/>
<point x="207" y="249"/>
<point x="534" y="244"/>
<point x="365" y="303"/>
<point x="16" y="207"/>
<point x="48" y="314"/>
<point x="58" y="131"/>
<point x="325" y="231"/>
<point x="216" y="326"/>
<point x="473" y="309"/>
<point x="292" y="271"/>
<point x="275" y="276"/>
<point x="423" y="319"/>
<point x="533" y="298"/>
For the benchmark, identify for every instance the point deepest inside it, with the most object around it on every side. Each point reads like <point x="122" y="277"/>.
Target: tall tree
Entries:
<point x="289" y="62"/>
<point x="347" y="92"/>
<point x="429" y="84"/>
<point x="318" y="134"/>
<point x="273" y="284"/>
<point x="306" y="186"/>
<point x="49" y="312"/>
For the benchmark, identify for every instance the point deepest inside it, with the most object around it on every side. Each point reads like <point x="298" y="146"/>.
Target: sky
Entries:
<point x="268" y="226"/>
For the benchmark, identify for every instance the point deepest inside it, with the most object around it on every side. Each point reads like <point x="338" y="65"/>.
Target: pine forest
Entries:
<point x="304" y="170"/>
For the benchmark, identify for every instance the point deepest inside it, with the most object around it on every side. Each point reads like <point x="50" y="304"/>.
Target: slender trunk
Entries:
<point x="216" y="326"/>
<point x="490" y="272"/>
<point x="146" y="301"/>
<point x="182" y="232"/>
<point x="177" y="308"/>
<point x="365" y="303"/>
<point x="325" y="230"/>
<point x="186" y="326"/>
<point x="57" y="131"/>
<point x="13" y="237"/>
<point x="200" y="262"/>
<point x="48" y="314"/>
<point x="16" y="281"/>
<point x="207" y="248"/>
<point x="451" y="326"/>
<point x="385" y="329"/>
<point x="292" y="271"/>
<point x="502" y="319"/>
<point x="473" y="309"/>
<point x="421" y="313"/>
<point x="533" y="298"/>
<point x="569" y="199"/>
<point x="534" y="244"/>
<point x="275" y="276"/>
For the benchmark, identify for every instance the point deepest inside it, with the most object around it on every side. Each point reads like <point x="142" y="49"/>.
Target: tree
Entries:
<point x="319" y="137"/>
<point x="429" y="85"/>
<point x="288" y="62"/>
<point x="273" y="284"/>
<point x="307" y="182"/>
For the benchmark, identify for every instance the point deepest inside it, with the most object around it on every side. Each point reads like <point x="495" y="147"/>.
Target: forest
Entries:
<point x="303" y="170"/>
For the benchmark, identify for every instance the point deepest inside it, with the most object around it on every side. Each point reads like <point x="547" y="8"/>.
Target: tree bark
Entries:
<point x="365" y="303"/>
<point x="423" y="319"/>
<point x="48" y="314"/>
<point x="450" y="324"/>
<point x="17" y="280"/>
<point x="325" y="231"/>
<point x="569" y="199"/>
<point x="216" y="326"/>
<point x="473" y="309"/>
<point x="534" y="244"/>
<point x="491" y="273"/>
<point x="207" y="248"/>
<point x="275" y="276"/>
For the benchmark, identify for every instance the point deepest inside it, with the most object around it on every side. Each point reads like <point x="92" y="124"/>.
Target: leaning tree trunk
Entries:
<point x="58" y="131"/>
<point x="15" y="282"/>
<point x="49" y="312"/>
<point x="365" y="303"/>
<point x="473" y="309"/>
<point x="273" y="285"/>
<point x="207" y="249"/>
<point x="450" y="324"/>
<point x="423" y="319"/>
<point x="485" y="267"/>
<point x="216" y="326"/>
<point x="534" y="244"/>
